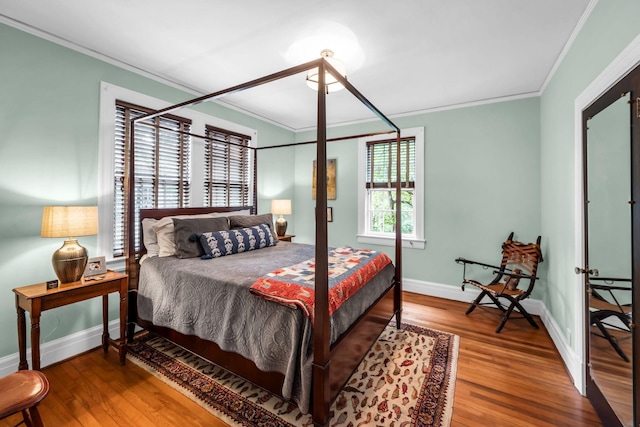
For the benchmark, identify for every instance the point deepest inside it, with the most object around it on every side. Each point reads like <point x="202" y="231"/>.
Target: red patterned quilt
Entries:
<point x="349" y="270"/>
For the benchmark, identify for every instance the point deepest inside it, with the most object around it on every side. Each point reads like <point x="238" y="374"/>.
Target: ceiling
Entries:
<point x="405" y="56"/>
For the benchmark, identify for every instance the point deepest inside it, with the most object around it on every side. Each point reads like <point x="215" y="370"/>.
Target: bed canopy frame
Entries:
<point x="327" y="365"/>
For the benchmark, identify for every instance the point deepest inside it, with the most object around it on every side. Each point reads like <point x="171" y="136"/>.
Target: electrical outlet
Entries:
<point x="569" y="335"/>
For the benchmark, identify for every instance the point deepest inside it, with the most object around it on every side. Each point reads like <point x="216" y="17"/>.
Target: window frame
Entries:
<point x="415" y="241"/>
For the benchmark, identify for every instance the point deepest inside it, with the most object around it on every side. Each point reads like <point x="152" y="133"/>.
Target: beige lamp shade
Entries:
<point x="281" y="207"/>
<point x="70" y="260"/>
<point x="69" y="221"/>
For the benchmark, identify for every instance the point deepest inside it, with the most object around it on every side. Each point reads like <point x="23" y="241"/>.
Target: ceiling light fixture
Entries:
<point x="331" y="84"/>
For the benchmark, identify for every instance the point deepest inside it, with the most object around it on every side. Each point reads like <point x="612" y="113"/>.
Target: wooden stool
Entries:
<point x="22" y="392"/>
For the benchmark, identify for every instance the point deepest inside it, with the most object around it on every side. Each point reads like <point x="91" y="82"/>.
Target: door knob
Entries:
<point x="592" y="272"/>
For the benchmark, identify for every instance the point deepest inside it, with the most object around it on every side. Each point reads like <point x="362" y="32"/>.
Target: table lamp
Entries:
<point x="68" y="221"/>
<point x="281" y="207"/>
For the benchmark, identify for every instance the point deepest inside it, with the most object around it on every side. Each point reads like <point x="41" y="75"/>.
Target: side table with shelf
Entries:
<point x="37" y="298"/>
<point x="286" y="237"/>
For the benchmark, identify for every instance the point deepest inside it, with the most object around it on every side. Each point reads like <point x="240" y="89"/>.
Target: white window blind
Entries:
<point x="381" y="163"/>
<point x="227" y="178"/>
<point x="162" y="156"/>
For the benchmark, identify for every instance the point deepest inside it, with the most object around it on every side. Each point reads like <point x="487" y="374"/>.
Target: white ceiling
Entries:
<point x="410" y="55"/>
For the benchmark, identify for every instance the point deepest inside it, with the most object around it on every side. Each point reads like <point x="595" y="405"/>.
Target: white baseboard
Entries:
<point x="533" y="306"/>
<point x="62" y="348"/>
<point x="536" y="307"/>
<point x="571" y="360"/>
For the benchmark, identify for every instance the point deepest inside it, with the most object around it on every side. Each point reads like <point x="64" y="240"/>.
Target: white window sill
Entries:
<point x="391" y="241"/>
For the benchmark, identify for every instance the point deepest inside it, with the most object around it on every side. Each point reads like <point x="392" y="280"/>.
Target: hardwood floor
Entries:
<point x="515" y="378"/>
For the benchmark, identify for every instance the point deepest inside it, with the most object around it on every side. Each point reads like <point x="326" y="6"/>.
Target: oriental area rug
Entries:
<point x="406" y="379"/>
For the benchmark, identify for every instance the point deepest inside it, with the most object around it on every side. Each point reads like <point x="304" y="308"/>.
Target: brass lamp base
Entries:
<point x="281" y="226"/>
<point x="69" y="261"/>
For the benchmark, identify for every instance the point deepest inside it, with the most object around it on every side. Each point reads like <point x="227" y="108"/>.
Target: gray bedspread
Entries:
<point x="211" y="299"/>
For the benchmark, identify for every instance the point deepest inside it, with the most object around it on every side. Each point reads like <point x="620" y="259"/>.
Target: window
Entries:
<point x="381" y="182"/>
<point x="163" y="166"/>
<point x="227" y="175"/>
<point x="166" y="182"/>
<point x="377" y="193"/>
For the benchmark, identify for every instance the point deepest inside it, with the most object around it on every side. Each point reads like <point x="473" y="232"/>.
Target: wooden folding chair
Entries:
<point x="513" y="282"/>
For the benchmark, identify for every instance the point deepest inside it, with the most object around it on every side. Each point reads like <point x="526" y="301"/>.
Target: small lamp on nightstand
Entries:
<point x="281" y="207"/>
<point x="68" y="221"/>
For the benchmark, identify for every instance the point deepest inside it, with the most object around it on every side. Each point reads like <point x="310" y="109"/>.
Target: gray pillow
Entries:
<point x="246" y="221"/>
<point x="185" y="228"/>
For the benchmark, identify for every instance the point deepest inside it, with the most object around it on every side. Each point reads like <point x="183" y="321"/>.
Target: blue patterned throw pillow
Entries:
<point x="227" y="242"/>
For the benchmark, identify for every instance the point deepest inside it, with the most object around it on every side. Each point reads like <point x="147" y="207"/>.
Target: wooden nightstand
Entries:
<point x="286" y="237"/>
<point x="37" y="298"/>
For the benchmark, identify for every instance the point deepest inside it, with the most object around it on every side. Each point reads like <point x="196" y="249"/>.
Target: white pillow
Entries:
<point x="165" y="233"/>
<point x="149" y="237"/>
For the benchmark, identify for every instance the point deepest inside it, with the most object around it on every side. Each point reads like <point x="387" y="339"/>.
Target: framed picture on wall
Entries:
<point x="331" y="180"/>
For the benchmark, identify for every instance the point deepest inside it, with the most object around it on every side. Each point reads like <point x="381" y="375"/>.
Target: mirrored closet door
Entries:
<point x="611" y="154"/>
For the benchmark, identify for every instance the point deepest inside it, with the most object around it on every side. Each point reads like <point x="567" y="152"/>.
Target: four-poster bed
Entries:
<point x="334" y="351"/>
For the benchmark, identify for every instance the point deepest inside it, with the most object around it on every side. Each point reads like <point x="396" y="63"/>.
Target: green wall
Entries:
<point x="49" y="112"/>
<point x="612" y="26"/>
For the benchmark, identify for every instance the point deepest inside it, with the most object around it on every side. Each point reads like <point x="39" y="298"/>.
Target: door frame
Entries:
<point x="622" y="65"/>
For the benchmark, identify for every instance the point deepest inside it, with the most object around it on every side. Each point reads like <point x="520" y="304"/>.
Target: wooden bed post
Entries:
<point x="255" y="182"/>
<point x="398" y="258"/>
<point x="129" y="229"/>
<point x="321" y="393"/>
<point x="129" y="196"/>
